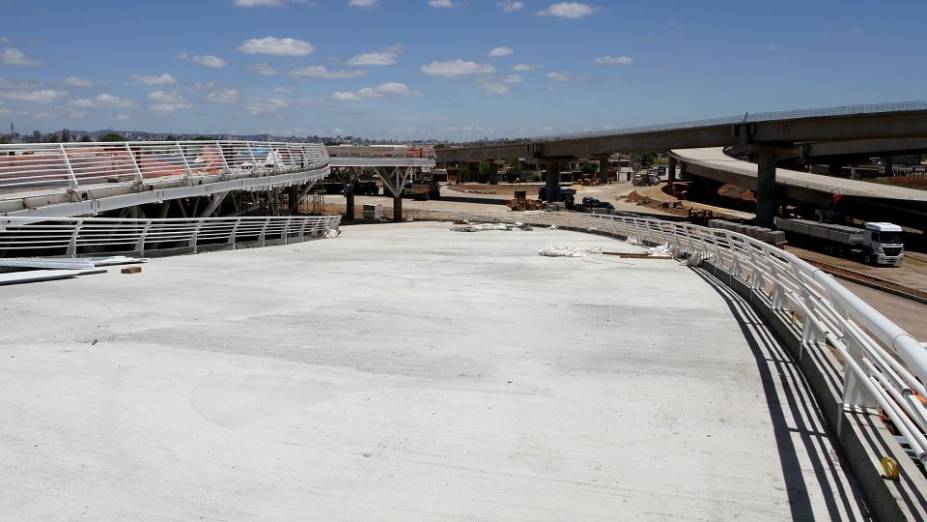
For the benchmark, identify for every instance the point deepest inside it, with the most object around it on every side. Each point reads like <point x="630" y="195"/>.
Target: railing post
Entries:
<point x="72" y="244"/>
<point x="196" y="233"/>
<point x="263" y="237"/>
<point x="302" y="228"/>
<point x="228" y="170"/>
<point x="233" y="235"/>
<point x="139" y="179"/>
<point x="72" y="178"/>
<point x="186" y="165"/>
<point x="286" y="231"/>
<point x="140" y="244"/>
<point x="856" y="394"/>
<point x="254" y="165"/>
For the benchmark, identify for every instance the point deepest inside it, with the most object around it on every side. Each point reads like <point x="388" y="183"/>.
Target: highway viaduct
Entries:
<point x="765" y="138"/>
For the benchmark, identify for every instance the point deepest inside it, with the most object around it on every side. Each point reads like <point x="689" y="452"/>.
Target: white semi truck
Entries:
<point x="875" y="243"/>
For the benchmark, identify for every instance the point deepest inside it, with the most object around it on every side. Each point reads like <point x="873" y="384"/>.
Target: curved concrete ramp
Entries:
<point x="406" y="372"/>
<point x="715" y="164"/>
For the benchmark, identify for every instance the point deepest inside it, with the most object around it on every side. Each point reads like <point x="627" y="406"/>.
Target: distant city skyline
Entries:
<point x="443" y="69"/>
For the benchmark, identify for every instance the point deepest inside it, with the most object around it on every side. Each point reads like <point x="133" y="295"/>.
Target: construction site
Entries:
<point x="252" y="330"/>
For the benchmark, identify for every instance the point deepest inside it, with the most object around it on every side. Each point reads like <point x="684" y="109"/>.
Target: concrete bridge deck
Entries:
<point x="713" y="163"/>
<point x="405" y="372"/>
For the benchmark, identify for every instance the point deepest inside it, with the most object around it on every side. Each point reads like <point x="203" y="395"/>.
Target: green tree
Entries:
<point x="464" y="173"/>
<point x="590" y="167"/>
<point x="112" y="136"/>
<point x="514" y="172"/>
<point x="646" y="159"/>
<point x="488" y="173"/>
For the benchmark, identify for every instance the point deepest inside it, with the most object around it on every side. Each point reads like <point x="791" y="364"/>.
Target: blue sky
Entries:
<point x="450" y="69"/>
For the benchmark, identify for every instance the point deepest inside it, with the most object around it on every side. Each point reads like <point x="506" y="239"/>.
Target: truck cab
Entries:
<point x="882" y="244"/>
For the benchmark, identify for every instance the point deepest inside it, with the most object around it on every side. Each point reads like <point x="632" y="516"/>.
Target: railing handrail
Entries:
<point x="51" y="168"/>
<point x="72" y="236"/>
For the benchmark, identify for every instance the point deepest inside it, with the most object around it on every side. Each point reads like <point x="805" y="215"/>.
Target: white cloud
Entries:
<point x="13" y="56"/>
<point x="454" y="68"/>
<point x="363" y="3"/>
<point x="34" y="96"/>
<point x="614" y="60"/>
<point x="384" y="89"/>
<point x="104" y="100"/>
<point x="560" y="76"/>
<point x="441" y="4"/>
<point x="320" y="71"/>
<point x="276" y="46"/>
<point x="495" y="88"/>
<point x="206" y="60"/>
<point x="167" y="102"/>
<point x="264" y="69"/>
<point x="257" y="108"/>
<point x="384" y="57"/>
<point x="159" y="79"/>
<point x="501" y="51"/>
<point x="510" y="6"/>
<point x="572" y="10"/>
<point x="223" y="96"/>
<point x="76" y="81"/>
<point x="525" y="67"/>
<point x="513" y="78"/>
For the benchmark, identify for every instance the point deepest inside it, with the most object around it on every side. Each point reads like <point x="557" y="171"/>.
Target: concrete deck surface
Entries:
<point x="403" y="372"/>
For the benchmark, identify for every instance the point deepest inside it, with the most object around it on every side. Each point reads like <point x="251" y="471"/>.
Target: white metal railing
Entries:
<point x="884" y="366"/>
<point x="31" y="167"/>
<point x="76" y="236"/>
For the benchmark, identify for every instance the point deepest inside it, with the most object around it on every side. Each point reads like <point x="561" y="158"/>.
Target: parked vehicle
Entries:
<point x="566" y="196"/>
<point x="876" y="243"/>
<point x="590" y="203"/>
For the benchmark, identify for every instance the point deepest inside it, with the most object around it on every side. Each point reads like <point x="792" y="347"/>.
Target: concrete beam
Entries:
<point x="782" y="133"/>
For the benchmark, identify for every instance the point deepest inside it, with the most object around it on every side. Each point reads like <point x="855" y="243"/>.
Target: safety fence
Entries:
<point x="52" y="167"/>
<point x="84" y="236"/>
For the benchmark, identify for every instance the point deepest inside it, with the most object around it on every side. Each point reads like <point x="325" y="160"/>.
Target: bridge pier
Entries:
<point x="552" y="180"/>
<point x="397" y="208"/>
<point x="603" y="170"/>
<point x="889" y="163"/>
<point x="766" y="201"/>
<point x="671" y="174"/>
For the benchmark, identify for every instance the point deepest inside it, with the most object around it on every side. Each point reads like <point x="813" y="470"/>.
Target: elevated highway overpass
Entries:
<point x="767" y="137"/>
<point x="805" y="187"/>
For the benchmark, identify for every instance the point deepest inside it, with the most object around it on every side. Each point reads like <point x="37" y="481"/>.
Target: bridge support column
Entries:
<point x="348" y="183"/>
<point x="671" y="174"/>
<point x="603" y="170"/>
<point x="889" y="163"/>
<point x="552" y="180"/>
<point x="766" y="201"/>
<point x="397" y="208"/>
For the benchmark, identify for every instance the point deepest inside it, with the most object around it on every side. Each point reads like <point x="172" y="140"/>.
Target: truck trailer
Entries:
<point x="876" y="243"/>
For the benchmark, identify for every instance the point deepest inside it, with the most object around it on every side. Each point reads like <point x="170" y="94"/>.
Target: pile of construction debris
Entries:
<point x="482" y="227"/>
<point x="15" y="270"/>
<point x="567" y="251"/>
